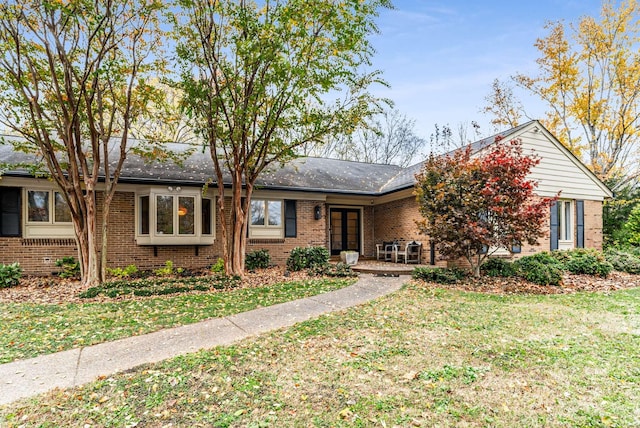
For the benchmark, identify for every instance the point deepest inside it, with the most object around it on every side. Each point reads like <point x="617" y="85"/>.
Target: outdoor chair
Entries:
<point x="385" y="251"/>
<point x="411" y="253"/>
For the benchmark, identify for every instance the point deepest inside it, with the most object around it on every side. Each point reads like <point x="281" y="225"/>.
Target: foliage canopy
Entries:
<point x="261" y="80"/>
<point x="474" y="204"/>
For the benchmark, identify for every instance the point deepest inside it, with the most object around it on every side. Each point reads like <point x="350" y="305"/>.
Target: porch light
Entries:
<point x="182" y="211"/>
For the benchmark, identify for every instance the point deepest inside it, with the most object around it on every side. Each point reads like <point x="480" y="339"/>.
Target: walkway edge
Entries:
<point x="75" y="367"/>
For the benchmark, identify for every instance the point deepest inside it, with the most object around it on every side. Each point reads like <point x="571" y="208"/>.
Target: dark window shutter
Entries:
<point x="554" y="223"/>
<point x="432" y="256"/>
<point x="290" y="222"/>
<point x="9" y="211"/>
<point x="580" y="224"/>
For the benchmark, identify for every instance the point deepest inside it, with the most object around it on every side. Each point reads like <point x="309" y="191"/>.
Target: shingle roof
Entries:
<point x="302" y="174"/>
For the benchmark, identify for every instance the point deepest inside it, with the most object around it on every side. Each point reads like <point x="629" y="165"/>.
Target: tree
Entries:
<point x="591" y="84"/>
<point x="262" y="80"/>
<point x="72" y="82"/>
<point x="631" y="228"/>
<point x="503" y="105"/>
<point x="475" y="204"/>
<point x="616" y="213"/>
<point x="388" y="137"/>
<point x="444" y="139"/>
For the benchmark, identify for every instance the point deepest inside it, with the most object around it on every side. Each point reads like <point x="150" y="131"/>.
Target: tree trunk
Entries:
<point x="474" y="261"/>
<point x="237" y="243"/>
<point x="106" y="209"/>
<point x="86" y="238"/>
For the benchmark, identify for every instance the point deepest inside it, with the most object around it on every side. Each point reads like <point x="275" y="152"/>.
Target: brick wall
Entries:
<point x="123" y="250"/>
<point x="397" y="221"/>
<point x="38" y="256"/>
<point x="310" y="232"/>
<point x="593" y="224"/>
<point x="385" y="222"/>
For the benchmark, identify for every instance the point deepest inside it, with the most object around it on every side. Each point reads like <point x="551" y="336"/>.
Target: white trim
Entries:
<point x="44" y="229"/>
<point x="267" y="231"/>
<point x="566" y="244"/>
<point x="155" y="238"/>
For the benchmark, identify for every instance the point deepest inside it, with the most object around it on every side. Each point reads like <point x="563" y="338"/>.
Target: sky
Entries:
<point x="441" y="57"/>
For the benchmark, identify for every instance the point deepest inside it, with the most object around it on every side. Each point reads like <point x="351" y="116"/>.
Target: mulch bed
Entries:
<point x="59" y="291"/>
<point x="570" y="284"/>
<point x="53" y="290"/>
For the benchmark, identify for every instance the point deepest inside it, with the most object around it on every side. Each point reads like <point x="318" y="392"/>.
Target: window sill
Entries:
<point x="175" y="240"/>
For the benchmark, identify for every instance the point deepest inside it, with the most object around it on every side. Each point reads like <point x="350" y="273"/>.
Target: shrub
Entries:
<point x="168" y="269"/>
<point x="439" y="275"/>
<point x="258" y="259"/>
<point x="309" y="257"/>
<point x="297" y="259"/>
<point x="218" y="266"/>
<point x="317" y="256"/>
<point x="126" y="272"/>
<point x="541" y="268"/>
<point x="584" y="261"/>
<point x="498" y="267"/>
<point x="589" y="264"/>
<point x="623" y="261"/>
<point x="545" y="258"/>
<point x="10" y="275"/>
<point x="70" y="267"/>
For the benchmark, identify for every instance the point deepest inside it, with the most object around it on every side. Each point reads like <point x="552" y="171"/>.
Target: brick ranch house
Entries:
<point x="161" y="213"/>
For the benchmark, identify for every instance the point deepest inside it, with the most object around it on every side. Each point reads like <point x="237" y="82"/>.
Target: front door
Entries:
<point x="345" y="230"/>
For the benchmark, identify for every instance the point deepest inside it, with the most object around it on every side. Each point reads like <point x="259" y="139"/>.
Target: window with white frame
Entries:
<point x="46" y="214"/>
<point x="174" y="216"/>
<point x="265" y="217"/>
<point x="565" y="224"/>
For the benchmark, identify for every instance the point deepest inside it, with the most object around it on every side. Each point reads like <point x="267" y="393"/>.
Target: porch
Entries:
<point x="381" y="268"/>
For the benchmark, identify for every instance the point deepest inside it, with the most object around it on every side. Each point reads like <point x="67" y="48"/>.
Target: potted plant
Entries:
<point x="349" y="257"/>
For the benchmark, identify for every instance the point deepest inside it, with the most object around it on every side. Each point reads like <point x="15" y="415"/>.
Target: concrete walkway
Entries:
<point x="75" y="367"/>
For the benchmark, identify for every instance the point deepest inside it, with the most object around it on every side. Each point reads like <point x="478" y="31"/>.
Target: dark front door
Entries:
<point x="345" y="230"/>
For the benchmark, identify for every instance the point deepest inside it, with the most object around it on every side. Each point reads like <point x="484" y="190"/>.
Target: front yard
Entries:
<point x="61" y="320"/>
<point x="424" y="356"/>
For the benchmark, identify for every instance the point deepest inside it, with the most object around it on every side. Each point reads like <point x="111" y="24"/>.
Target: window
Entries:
<point x="39" y="207"/>
<point x="565" y="224"/>
<point x="564" y="215"/>
<point x="269" y="211"/>
<point x="46" y="214"/>
<point x="266" y="219"/>
<point x="174" y="217"/>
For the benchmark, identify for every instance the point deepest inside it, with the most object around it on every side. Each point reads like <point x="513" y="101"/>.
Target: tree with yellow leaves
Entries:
<point x="590" y="80"/>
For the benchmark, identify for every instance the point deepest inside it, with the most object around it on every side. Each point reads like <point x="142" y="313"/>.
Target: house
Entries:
<point x="164" y="212"/>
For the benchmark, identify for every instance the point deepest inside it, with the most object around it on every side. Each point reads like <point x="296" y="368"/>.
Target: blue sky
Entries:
<point x="440" y="57"/>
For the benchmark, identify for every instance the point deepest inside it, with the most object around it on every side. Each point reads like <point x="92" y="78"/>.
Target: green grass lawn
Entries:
<point x="28" y="330"/>
<point x="418" y="357"/>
